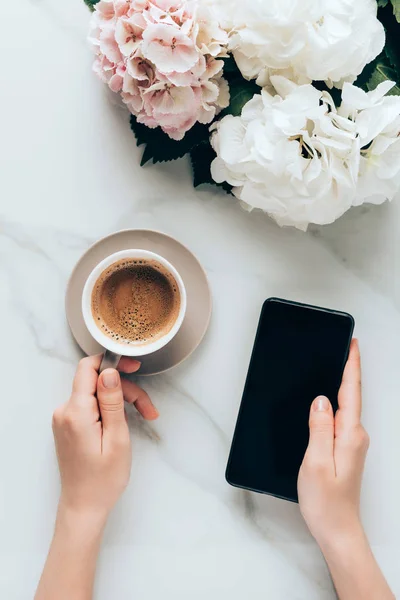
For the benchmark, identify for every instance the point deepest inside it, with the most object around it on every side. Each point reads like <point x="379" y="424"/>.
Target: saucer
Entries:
<point x="199" y="303"/>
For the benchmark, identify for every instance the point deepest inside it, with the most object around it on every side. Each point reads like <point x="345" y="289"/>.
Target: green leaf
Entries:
<point x="160" y="147"/>
<point x="91" y="3"/>
<point x="396" y="9"/>
<point x="392" y="54"/>
<point x="392" y="46"/>
<point x="241" y="91"/>
<point x="366" y="75"/>
<point x="201" y="157"/>
<point x="230" y="66"/>
<point x="382" y="72"/>
<point x="382" y="3"/>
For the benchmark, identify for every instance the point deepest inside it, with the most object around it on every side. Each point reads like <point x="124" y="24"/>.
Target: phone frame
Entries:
<point x="264" y="305"/>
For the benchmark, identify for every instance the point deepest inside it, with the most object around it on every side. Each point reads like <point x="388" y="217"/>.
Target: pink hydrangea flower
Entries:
<point x="168" y="48"/>
<point x="162" y="57"/>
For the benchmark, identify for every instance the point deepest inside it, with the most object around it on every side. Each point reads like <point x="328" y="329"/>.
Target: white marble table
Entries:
<point x="70" y="174"/>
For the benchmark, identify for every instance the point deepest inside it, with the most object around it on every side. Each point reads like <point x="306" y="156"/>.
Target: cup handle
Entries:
<point x="110" y="360"/>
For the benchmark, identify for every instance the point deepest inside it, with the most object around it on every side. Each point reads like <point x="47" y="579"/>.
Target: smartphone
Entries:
<point x="300" y="352"/>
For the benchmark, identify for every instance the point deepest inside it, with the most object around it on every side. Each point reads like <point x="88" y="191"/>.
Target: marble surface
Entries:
<point x="69" y="175"/>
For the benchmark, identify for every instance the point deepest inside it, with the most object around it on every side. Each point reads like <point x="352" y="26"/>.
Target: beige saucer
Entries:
<point x="199" y="303"/>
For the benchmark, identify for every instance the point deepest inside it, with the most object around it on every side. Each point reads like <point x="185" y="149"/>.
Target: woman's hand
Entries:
<point x="330" y="477"/>
<point x="329" y="488"/>
<point x="95" y="455"/>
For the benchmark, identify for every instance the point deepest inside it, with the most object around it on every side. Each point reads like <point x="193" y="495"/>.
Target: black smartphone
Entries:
<point x="299" y="353"/>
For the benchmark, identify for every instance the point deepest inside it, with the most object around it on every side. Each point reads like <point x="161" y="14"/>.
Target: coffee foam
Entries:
<point x="135" y="301"/>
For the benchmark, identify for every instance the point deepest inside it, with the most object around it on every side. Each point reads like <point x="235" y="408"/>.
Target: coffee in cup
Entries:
<point x="135" y="301"/>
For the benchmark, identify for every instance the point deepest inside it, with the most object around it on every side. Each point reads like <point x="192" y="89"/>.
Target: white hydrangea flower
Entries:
<point x="298" y="158"/>
<point x="329" y="40"/>
<point x="290" y="155"/>
<point x="377" y="118"/>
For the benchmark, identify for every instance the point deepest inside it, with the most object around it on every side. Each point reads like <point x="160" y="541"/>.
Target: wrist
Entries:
<point x="341" y="543"/>
<point x="85" y="522"/>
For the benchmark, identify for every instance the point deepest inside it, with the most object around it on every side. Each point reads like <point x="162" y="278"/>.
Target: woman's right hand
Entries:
<point x="330" y="477"/>
<point x="329" y="488"/>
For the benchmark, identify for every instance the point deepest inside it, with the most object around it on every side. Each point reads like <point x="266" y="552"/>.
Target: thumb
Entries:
<point x="322" y="431"/>
<point x="111" y="399"/>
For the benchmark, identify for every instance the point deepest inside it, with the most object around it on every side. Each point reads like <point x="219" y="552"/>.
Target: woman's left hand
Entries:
<point x="94" y="454"/>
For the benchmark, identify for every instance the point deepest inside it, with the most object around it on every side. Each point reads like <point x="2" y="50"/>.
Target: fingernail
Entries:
<point x="321" y="403"/>
<point x="110" y="378"/>
<point x="155" y="414"/>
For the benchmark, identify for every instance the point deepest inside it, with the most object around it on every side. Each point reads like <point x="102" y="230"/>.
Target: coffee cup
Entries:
<point x="133" y="304"/>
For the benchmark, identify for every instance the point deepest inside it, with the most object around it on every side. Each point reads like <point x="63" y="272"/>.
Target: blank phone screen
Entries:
<point x="299" y="353"/>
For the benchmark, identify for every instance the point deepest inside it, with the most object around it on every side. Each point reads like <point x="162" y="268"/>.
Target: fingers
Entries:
<point x="128" y="365"/>
<point x="87" y="372"/>
<point x="135" y="395"/>
<point x="111" y="400"/>
<point x="349" y="396"/>
<point x="321" y="442"/>
<point x="85" y="381"/>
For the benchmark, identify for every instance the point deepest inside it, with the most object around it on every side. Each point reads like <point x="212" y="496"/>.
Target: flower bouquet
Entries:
<point x="292" y="106"/>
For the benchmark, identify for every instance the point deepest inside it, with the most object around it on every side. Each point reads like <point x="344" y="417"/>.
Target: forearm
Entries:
<point x="354" y="570"/>
<point x="70" y="567"/>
